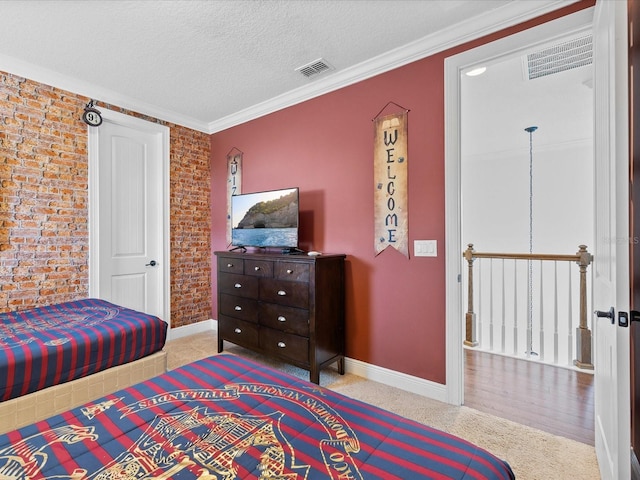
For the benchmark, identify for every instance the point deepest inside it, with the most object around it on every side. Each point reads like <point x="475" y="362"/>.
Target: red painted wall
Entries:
<point x="395" y="305"/>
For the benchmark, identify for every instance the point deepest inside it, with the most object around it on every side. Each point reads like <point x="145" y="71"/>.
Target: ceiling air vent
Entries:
<point x="314" y="68"/>
<point x="558" y="58"/>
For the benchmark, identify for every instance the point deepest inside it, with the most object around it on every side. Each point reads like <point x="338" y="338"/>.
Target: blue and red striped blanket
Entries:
<point x="226" y="417"/>
<point x="49" y="345"/>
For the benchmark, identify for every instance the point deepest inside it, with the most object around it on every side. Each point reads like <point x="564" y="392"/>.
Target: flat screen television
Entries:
<point x="265" y="219"/>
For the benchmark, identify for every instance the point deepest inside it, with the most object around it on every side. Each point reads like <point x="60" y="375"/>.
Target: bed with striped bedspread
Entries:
<point x="50" y="345"/>
<point x="226" y="417"/>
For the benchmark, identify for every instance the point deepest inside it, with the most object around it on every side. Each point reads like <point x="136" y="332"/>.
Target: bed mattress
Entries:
<point x="227" y="417"/>
<point x="55" y="344"/>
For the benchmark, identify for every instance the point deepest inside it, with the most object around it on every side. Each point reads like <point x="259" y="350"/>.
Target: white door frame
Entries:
<point x="94" y="216"/>
<point x="493" y="52"/>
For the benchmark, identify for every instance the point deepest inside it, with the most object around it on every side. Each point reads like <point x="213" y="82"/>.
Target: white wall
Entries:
<point x="497" y="107"/>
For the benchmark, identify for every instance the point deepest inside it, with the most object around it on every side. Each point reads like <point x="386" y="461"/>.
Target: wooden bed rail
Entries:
<point x="583" y="334"/>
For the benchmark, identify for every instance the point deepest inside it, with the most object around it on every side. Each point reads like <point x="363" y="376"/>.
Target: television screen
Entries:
<point x="265" y="219"/>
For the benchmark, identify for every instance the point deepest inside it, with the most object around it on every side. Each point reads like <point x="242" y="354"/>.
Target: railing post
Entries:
<point x="583" y="334"/>
<point x="470" y="337"/>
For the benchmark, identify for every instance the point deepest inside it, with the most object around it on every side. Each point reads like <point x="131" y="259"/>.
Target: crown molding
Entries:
<point x="509" y="15"/>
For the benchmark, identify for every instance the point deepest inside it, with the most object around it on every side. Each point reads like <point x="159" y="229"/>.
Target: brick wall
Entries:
<point x="43" y="203"/>
<point x="190" y="227"/>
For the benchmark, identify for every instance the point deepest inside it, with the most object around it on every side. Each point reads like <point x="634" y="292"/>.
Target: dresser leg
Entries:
<point x="341" y="365"/>
<point x="220" y="342"/>
<point x="314" y="375"/>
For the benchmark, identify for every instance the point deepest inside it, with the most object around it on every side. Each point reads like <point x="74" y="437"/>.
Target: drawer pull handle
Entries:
<point x="282" y="319"/>
<point x="237" y="285"/>
<point x="257" y="269"/>
<point x="229" y="265"/>
<point x="237" y="308"/>
<point x="282" y="293"/>
<point x="282" y="344"/>
<point x="289" y="271"/>
<point x="237" y="330"/>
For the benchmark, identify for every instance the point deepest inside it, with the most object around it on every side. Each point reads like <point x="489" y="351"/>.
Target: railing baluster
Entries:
<point x="541" y="314"/>
<point x="504" y="319"/>
<point x="515" y="307"/>
<point x="570" y="313"/>
<point x="555" y="312"/>
<point x="491" y="304"/>
<point x="479" y="329"/>
<point x="529" y="351"/>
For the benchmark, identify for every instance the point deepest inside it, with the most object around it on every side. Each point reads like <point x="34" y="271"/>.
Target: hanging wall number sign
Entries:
<point x="91" y="115"/>
<point x="234" y="183"/>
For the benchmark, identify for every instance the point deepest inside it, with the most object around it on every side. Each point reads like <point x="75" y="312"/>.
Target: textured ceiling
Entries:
<point x="211" y="64"/>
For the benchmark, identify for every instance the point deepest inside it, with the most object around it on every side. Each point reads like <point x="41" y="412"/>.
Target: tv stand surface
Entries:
<point x="292" y="251"/>
<point x="263" y="250"/>
<point x="286" y="306"/>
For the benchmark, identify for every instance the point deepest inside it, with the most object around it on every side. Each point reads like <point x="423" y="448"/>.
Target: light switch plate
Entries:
<point x="425" y="248"/>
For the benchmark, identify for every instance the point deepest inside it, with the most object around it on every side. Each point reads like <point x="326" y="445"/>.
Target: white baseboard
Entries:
<point x="400" y="380"/>
<point x="392" y="378"/>
<point x="198" y="327"/>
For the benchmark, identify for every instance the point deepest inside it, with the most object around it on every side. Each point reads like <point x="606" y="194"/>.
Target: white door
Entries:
<point x="128" y="196"/>
<point x="611" y="252"/>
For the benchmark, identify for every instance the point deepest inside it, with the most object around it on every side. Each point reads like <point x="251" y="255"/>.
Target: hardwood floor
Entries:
<point x="556" y="400"/>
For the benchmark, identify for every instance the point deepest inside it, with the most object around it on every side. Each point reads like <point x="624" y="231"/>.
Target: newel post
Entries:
<point x="583" y="334"/>
<point x="470" y="337"/>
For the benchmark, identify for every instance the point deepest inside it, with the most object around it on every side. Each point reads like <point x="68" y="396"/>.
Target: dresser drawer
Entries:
<point x="239" y="307"/>
<point x="294" y="294"/>
<point x="231" y="265"/>
<point x="240" y="285"/>
<point x="283" y="344"/>
<point x="258" y="268"/>
<point x="294" y="271"/>
<point x="285" y="319"/>
<point x="238" y="331"/>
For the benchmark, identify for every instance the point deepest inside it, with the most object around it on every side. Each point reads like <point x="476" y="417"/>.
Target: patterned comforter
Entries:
<point x="226" y="417"/>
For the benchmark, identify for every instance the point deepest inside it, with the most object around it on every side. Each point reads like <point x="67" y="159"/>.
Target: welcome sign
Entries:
<point x="390" y="189"/>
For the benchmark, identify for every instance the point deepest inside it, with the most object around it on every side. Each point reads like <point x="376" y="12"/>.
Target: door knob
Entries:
<point x="611" y="314"/>
<point x="152" y="263"/>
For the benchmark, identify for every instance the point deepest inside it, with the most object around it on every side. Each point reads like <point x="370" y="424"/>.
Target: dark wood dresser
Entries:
<point x="287" y="306"/>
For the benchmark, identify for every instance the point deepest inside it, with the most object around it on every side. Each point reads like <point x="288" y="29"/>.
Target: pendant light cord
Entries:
<point x="530" y="351"/>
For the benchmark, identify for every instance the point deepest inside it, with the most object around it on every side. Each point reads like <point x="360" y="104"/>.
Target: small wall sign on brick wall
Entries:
<point x="92" y="115"/>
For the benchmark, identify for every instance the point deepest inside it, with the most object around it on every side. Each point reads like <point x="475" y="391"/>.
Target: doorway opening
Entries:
<point x="497" y="201"/>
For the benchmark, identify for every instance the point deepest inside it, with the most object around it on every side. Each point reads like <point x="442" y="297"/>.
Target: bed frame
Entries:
<point x="21" y="411"/>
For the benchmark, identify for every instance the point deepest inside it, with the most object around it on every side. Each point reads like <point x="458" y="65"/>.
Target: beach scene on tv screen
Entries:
<point x="265" y="218"/>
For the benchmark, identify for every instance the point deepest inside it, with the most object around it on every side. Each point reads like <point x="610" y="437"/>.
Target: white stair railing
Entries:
<point x="526" y="306"/>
